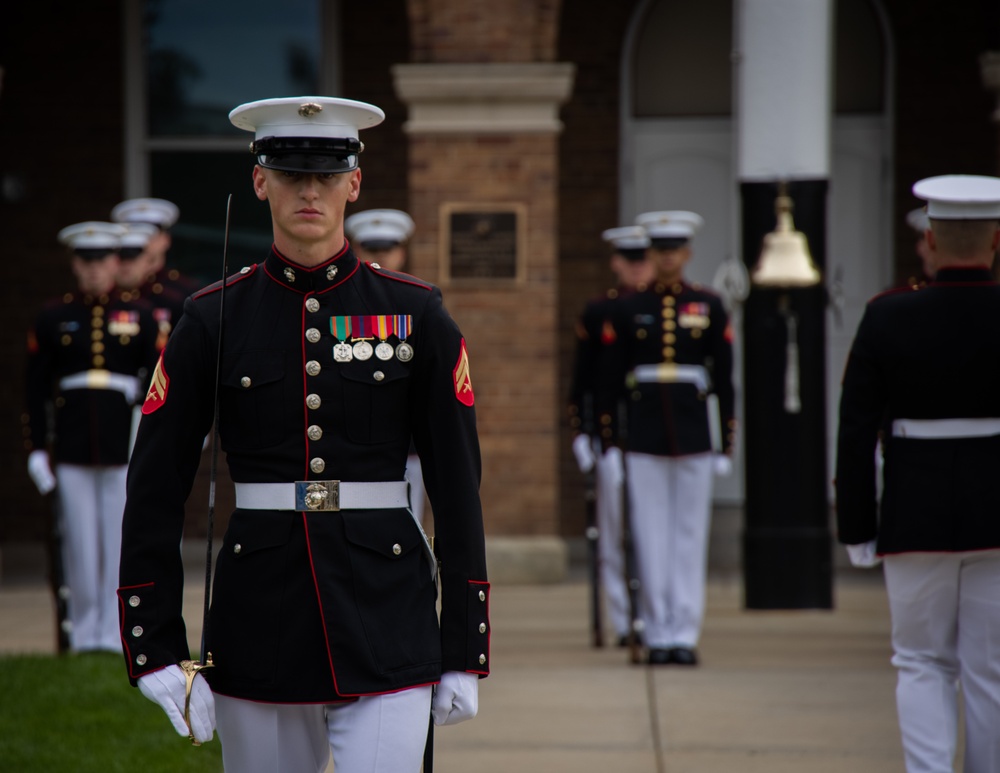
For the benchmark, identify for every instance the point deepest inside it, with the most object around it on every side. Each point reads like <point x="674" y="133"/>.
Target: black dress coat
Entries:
<point x="311" y="606"/>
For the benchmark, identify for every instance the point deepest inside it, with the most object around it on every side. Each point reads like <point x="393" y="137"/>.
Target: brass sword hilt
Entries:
<point x="191" y="669"/>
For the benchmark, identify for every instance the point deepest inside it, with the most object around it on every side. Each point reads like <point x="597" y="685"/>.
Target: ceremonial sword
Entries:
<point x="190" y="667"/>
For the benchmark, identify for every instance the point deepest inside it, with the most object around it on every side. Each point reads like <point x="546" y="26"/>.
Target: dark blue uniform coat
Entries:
<point x="932" y="353"/>
<point x="311" y="606"/>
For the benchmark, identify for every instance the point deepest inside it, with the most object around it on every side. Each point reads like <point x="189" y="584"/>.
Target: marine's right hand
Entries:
<point x="40" y="471"/>
<point x="583" y="450"/>
<point x="167" y="686"/>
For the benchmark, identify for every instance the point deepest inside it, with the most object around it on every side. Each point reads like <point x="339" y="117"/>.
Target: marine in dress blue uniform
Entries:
<point x="924" y="371"/>
<point x="670" y="350"/>
<point x="381" y="236"/>
<point x="90" y="354"/>
<point x="633" y="271"/>
<point x="147" y="273"/>
<point x="323" y="628"/>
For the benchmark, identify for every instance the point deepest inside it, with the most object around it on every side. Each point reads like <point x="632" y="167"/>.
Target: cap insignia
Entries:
<point x="309" y="109"/>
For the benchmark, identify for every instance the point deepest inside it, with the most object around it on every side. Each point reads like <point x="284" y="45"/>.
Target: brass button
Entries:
<point x="245" y="382"/>
<point x="482" y="628"/>
<point x="98" y="360"/>
<point x="669" y="313"/>
<point x="668" y="352"/>
<point x="134" y="601"/>
<point x="669" y="325"/>
<point x="314" y="432"/>
<point x="237" y="548"/>
<point x="137" y="631"/>
<point x="141" y="660"/>
<point x="313" y="402"/>
<point x="312" y="305"/>
<point x="312" y="335"/>
<point x="482" y="659"/>
<point x="378" y="375"/>
<point x="669" y="300"/>
<point x="66" y="340"/>
<point x="640" y="333"/>
<point x="97" y="347"/>
<point x="482" y="595"/>
<point x="669" y="338"/>
<point x="97" y="335"/>
<point x="313" y="368"/>
<point x="396" y="549"/>
<point x="317" y="465"/>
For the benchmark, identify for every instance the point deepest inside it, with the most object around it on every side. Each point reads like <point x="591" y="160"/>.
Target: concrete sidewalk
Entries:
<point x="777" y="692"/>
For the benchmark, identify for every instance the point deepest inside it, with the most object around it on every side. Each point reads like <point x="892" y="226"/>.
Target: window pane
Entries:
<point x="205" y="58"/>
<point x="200" y="184"/>
<point x="683" y="64"/>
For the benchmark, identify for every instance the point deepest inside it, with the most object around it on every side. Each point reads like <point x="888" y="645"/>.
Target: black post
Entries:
<point x="787" y="544"/>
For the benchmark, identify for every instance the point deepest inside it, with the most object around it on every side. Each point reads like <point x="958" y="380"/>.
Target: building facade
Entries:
<point x="530" y="125"/>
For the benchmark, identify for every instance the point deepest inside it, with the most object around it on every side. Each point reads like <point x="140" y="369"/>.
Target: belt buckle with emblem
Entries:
<point x="317" y="495"/>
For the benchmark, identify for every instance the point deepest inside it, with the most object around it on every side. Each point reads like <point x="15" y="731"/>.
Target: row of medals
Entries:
<point x="362" y="350"/>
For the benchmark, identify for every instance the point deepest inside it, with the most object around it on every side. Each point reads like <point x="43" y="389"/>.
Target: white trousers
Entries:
<point x="945" y="611"/>
<point x="671" y="507"/>
<point x="414" y="475"/>
<point x="375" y="734"/>
<point x="610" y="553"/>
<point x="91" y="504"/>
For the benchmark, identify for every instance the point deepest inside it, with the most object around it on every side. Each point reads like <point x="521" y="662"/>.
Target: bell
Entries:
<point x="784" y="259"/>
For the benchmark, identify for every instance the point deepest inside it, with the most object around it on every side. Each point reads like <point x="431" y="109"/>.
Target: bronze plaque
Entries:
<point x="483" y="243"/>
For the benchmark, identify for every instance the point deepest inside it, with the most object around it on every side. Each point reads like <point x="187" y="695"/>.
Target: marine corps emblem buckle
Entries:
<point x="317" y="495"/>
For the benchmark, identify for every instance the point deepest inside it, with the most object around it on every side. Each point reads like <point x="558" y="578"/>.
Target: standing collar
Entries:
<point x="315" y="279"/>
<point x="963" y="274"/>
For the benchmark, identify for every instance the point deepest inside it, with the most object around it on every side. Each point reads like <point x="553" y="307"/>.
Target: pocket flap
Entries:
<point x="389" y="534"/>
<point x="249" y="370"/>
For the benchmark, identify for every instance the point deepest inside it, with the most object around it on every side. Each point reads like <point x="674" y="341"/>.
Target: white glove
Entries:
<point x="40" y="472"/>
<point x="722" y="465"/>
<point x="583" y="450"/>
<point x="166" y="687"/>
<point x="456" y="698"/>
<point x="614" y="467"/>
<point x="863" y="555"/>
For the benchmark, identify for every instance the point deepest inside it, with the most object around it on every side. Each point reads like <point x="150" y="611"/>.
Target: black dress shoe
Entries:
<point x="659" y="657"/>
<point x="623" y="640"/>
<point x="683" y="656"/>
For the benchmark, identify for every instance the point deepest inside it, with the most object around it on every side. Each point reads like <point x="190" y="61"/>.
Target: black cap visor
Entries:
<point x="130" y="253"/>
<point x="668" y="243"/>
<point x="307" y="155"/>
<point x="379" y="245"/>
<point x="632" y="254"/>
<point x="89" y="254"/>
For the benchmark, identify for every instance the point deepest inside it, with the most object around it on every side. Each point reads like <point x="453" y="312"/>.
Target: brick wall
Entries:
<point x="510" y="327"/>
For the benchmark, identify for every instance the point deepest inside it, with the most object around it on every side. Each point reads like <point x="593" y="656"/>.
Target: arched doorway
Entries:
<point x="678" y="153"/>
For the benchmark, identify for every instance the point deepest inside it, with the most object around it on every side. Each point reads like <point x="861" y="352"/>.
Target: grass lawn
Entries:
<point x="78" y="714"/>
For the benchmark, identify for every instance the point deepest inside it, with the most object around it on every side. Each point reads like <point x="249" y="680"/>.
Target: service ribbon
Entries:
<point x="386" y="325"/>
<point x="404" y="322"/>
<point x="362" y="327"/>
<point x="340" y="327"/>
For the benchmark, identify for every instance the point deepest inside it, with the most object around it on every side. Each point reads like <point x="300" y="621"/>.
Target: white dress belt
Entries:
<point x="323" y="495"/>
<point x="945" y="428"/>
<point x="102" y="379"/>
<point x="671" y="373"/>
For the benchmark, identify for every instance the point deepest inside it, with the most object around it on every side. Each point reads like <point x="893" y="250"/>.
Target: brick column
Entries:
<point x="485" y="136"/>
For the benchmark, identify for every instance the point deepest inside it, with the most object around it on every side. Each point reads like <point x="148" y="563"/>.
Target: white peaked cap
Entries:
<point x="960" y="197"/>
<point x="670" y="224"/>
<point x="322" y="117"/>
<point x="627" y="237"/>
<point x="138" y="234"/>
<point x="159" y="212"/>
<point x="92" y="235"/>
<point x="379" y="225"/>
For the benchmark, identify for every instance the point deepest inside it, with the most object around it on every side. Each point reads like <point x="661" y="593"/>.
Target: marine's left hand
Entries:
<point x="863" y="555"/>
<point x="722" y="465"/>
<point x="456" y="698"/>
